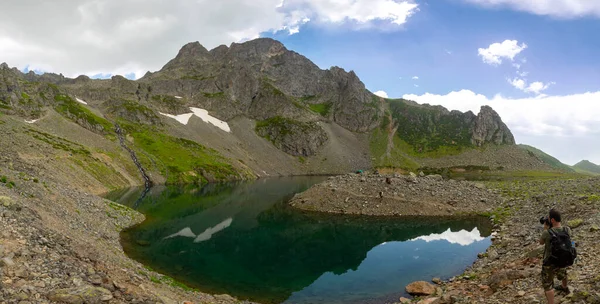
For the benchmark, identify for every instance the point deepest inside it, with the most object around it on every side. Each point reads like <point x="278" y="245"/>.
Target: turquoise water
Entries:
<point x="242" y="239"/>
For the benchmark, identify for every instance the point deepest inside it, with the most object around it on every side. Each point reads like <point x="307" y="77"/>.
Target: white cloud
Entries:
<point x="556" y="8"/>
<point x="381" y="94"/>
<point x="518" y="83"/>
<point x="415" y="77"/>
<point x="535" y="87"/>
<point x="553" y="123"/>
<point x="416" y="85"/>
<point x="120" y="37"/>
<point x="496" y="52"/>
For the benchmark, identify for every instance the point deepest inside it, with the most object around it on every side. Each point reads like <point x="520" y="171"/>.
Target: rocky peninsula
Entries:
<point x="398" y="195"/>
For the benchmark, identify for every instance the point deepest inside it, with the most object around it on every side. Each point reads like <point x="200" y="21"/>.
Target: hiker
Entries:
<point x="559" y="253"/>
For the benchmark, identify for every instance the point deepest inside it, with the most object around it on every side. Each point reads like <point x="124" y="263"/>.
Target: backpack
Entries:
<point x="563" y="252"/>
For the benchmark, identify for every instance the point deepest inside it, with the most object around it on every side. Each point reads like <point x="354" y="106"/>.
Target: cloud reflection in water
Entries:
<point x="463" y="237"/>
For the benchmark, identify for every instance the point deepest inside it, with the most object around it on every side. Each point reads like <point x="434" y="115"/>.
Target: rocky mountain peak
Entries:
<point x="189" y="54"/>
<point x="489" y="128"/>
<point x="192" y="50"/>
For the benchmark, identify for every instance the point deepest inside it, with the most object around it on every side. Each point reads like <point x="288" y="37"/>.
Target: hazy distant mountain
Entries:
<point x="585" y="166"/>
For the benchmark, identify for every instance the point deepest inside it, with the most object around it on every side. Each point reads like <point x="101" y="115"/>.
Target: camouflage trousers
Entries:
<point x="548" y="273"/>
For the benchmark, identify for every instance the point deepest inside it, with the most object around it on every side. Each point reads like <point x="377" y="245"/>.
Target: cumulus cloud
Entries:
<point x="553" y="123"/>
<point x="517" y="83"/>
<point x="120" y="37"/>
<point x="556" y="8"/>
<point x="535" y="87"/>
<point x="496" y="52"/>
<point x="415" y="77"/>
<point x="381" y="94"/>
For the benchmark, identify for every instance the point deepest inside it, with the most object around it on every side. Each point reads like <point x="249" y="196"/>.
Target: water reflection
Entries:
<point x="254" y="247"/>
<point x="204" y="236"/>
<point x="462" y="237"/>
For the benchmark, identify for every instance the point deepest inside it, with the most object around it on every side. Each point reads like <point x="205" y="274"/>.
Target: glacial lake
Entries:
<point x="243" y="240"/>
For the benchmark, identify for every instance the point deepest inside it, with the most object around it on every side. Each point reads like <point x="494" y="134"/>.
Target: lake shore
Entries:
<point x="509" y="270"/>
<point x="398" y="195"/>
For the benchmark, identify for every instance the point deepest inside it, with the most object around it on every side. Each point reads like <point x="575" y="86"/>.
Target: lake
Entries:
<point x="244" y="240"/>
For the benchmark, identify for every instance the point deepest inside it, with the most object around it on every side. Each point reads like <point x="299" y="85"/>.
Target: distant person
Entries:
<point x="559" y="253"/>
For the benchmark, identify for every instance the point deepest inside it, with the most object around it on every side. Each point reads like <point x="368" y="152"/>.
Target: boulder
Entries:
<point x="420" y="288"/>
<point x="79" y="295"/>
<point x="429" y="301"/>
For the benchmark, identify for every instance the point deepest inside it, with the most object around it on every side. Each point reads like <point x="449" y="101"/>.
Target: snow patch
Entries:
<point x="178" y="97"/>
<point x="183" y="118"/>
<point x="31" y="121"/>
<point x="80" y="101"/>
<point x="203" y="114"/>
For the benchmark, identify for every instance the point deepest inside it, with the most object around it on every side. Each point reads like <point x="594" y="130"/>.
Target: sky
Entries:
<point x="535" y="62"/>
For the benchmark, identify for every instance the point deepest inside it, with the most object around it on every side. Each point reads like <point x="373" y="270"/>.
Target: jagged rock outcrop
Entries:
<point x="429" y="128"/>
<point x="293" y="137"/>
<point x="236" y="80"/>
<point x="489" y="128"/>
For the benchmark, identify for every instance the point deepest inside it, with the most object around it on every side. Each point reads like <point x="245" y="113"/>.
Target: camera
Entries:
<point x="545" y="220"/>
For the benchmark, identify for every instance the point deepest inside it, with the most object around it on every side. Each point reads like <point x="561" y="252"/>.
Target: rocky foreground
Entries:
<point x="62" y="246"/>
<point x="397" y="195"/>
<point x="509" y="271"/>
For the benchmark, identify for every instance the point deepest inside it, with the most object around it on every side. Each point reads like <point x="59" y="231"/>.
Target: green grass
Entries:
<point x="398" y="158"/>
<point x="307" y="98"/>
<point x="546" y="158"/>
<point x="182" y="161"/>
<point x="269" y="88"/>
<point x="74" y="111"/>
<point x="321" y="108"/>
<point x="214" y="95"/>
<point x="281" y="123"/>
<point x="499" y="215"/>
<point x="575" y="223"/>
<point x="58" y="142"/>
<point x="429" y="132"/>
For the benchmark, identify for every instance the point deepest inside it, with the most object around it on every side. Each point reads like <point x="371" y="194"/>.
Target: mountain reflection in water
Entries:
<point x="253" y="246"/>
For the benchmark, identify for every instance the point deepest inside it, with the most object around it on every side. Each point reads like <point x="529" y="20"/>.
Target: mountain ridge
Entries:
<point x="316" y="121"/>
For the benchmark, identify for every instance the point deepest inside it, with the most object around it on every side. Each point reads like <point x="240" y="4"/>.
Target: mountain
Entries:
<point x="547" y="158"/>
<point x="248" y="110"/>
<point x="587" y="167"/>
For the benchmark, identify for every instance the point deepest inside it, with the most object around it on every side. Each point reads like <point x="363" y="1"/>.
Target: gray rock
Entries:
<point x="489" y="128"/>
<point x="80" y="295"/>
<point x="7" y="262"/>
<point x="293" y="137"/>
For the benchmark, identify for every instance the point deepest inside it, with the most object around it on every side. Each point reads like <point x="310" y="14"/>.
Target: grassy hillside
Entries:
<point x="587" y="167"/>
<point x="429" y="129"/>
<point x="547" y="158"/>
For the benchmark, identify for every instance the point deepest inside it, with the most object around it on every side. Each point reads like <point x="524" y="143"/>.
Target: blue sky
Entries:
<point x="535" y="62"/>
<point x="559" y="50"/>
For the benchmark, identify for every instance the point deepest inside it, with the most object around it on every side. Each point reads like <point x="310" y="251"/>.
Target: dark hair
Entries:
<point x="554" y="214"/>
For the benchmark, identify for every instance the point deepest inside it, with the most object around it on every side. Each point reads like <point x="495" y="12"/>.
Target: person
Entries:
<point x="553" y="223"/>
